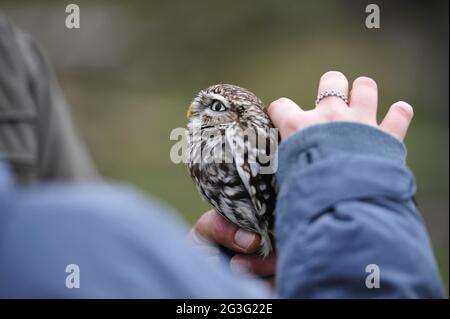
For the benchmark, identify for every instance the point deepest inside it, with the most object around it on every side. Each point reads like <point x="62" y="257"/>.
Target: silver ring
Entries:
<point x="335" y="93"/>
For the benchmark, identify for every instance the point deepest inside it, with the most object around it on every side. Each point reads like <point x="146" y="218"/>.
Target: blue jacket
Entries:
<point x="345" y="222"/>
<point x="345" y="204"/>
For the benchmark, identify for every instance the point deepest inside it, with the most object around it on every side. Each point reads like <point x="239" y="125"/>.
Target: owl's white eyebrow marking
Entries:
<point x="218" y="97"/>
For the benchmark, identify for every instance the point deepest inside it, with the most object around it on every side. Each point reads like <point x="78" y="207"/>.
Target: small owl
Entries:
<point x="232" y="155"/>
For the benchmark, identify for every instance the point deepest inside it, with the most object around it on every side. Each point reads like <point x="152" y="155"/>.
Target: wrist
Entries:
<point x="324" y="140"/>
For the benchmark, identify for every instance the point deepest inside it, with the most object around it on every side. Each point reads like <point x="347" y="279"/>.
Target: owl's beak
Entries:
<point x="189" y="111"/>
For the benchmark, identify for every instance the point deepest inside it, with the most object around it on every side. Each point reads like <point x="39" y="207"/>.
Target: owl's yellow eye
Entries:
<point x="218" y="106"/>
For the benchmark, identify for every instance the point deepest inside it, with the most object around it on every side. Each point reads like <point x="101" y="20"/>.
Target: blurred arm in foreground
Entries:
<point x="37" y="135"/>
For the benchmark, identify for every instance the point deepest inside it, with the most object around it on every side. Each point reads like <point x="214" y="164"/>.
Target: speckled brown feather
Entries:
<point x="235" y="189"/>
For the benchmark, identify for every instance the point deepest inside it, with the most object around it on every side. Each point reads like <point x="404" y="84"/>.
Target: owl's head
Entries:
<point x="223" y="104"/>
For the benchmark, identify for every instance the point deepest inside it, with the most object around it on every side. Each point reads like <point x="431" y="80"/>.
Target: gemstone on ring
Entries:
<point x="332" y="92"/>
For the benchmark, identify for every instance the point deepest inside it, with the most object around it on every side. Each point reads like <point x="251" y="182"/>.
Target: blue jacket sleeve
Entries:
<point x="124" y="245"/>
<point x="346" y="224"/>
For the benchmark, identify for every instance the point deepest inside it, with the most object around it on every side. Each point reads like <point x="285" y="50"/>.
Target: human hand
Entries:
<point x="213" y="228"/>
<point x="288" y="117"/>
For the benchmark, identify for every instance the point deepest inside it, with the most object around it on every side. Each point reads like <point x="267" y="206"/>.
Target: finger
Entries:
<point x="215" y="228"/>
<point x="255" y="264"/>
<point x="364" y="99"/>
<point x="285" y="115"/>
<point x="333" y="80"/>
<point x="397" y="120"/>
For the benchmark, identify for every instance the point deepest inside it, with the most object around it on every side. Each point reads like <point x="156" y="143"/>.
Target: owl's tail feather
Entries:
<point x="266" y="245"/>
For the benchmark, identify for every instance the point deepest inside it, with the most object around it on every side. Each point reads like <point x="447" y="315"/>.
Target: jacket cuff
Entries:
<point x="324" y="140"/>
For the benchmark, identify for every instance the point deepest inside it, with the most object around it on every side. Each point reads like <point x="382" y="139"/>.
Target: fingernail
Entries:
<point x="239" y="265"/>
<point x="244" y="238"/>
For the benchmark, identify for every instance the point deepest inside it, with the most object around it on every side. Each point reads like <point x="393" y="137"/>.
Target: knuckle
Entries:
<point x="203" y="223"/>
<point x="222" y="231"/>
<point x="279" y="102"/>
<point x="336" y="112"/>
<point x="292" y="123"/>
<point x="218" y="233"/>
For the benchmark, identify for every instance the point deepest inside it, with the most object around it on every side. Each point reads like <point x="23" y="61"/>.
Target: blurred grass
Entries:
<point x="132" y="69"/>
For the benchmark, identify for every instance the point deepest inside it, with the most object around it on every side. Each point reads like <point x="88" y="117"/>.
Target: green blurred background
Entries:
<point x="132" y="68"/>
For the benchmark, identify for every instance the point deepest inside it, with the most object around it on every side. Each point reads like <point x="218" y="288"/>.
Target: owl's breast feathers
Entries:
<point x="225" y="161"/>
<point x="237" y="189"/>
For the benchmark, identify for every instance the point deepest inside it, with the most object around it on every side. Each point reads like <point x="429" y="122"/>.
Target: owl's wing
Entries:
<point x="259" y="183"/>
